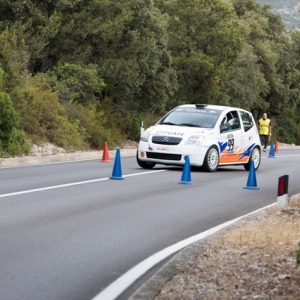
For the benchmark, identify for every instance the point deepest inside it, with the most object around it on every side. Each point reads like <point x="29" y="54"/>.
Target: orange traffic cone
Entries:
<point x="276" y="147"/>
<point x="105" y="156"/>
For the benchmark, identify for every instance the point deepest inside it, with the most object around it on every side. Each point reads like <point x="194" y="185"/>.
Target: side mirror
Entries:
<point x="223" y="128"/>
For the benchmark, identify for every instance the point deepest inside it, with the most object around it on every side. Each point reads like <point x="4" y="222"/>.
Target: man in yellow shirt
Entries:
<point x="265" y="130"/>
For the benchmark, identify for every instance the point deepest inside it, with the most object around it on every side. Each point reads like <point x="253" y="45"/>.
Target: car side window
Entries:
<point x="231" y="120"/>
<point x="247" y="120"/>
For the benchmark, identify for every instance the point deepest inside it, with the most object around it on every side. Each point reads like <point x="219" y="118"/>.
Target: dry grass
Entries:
<point x="271" y="228"/>
<point x="256" y="260"/>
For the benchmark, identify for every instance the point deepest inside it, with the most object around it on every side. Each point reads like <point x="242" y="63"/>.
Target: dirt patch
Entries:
<point x="47" y="149"/>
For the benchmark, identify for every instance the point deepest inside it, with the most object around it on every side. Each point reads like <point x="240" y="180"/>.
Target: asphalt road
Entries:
<point x="68" y="231"/>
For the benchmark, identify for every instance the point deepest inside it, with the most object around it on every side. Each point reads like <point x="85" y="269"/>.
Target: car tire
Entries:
<point x="211" y="160"/>
<point x="144" y="164"/>
<point x="256" y="157"/>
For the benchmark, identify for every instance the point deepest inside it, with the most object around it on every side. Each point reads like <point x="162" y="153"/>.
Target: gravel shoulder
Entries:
<point x="254" y="258"/>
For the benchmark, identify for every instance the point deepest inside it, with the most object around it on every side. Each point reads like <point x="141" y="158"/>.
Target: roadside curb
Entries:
<point x="66" y="157"/>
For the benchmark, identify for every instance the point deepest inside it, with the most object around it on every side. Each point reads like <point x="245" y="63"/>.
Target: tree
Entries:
<point x="12" y="141"/>
<point x="8" y="117"/>
<point x="13" y="59"/>
<point x="204" y="39"/>
<point x="128" y="42"/>
<point x="246" y="83"/>
<point x="76" y="83"/>
<point x="265" y="32"/>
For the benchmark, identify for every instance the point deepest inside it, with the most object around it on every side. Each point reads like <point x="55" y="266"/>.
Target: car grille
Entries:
<point x="166" y="140"/>
<point x="164" y="156"/>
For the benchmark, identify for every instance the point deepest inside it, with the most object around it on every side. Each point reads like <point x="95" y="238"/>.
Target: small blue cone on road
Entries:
<point x="272" y="150"/>
<point x="251" y="182"/>
<point x="186" y="174"/>
<point x="117" y="170"/>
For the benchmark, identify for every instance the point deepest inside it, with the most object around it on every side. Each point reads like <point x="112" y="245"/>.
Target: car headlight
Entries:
<point x="194" y="140"/>
<point x="145" y="136"/>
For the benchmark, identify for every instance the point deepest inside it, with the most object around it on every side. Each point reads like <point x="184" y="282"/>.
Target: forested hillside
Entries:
<point x="79" y="73"/>
<point x="289" y="11"/>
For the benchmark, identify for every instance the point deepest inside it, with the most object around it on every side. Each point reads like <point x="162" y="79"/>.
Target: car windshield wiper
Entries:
<point x="189" y="124"/>
<point x="168" y="123"/>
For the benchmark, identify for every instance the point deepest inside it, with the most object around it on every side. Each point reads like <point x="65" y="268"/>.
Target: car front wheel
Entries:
<point x="256" y="157"/>
<point x="211" y="160"/>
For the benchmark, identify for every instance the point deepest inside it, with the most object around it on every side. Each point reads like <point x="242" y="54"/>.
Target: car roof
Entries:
<point x="210" y="106"/>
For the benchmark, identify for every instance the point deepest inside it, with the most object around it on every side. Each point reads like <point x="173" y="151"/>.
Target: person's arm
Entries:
<point x="270" y="129"/>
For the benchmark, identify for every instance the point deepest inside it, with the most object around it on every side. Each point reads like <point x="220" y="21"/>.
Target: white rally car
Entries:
<point x="210" y="135"/>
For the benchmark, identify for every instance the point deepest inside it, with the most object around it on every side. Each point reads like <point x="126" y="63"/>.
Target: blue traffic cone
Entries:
<point x="117" y="170"/>
<point x="272" y="151"/>
<point x="186" y="174"/>
<point x="251" y="182"/>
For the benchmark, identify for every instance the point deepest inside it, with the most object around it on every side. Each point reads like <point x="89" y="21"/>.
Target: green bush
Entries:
<point x="80" y="83"/>
<point x="131" y="124"/>
<point x="43" y="118"/>
<point x="96" y="124"/>
<point x="131" y="127"/>
<point x="287" y="128"/>
<point x="66" y="135"/>
<point x="18" y="144"/>
<point x="12" y="141"/>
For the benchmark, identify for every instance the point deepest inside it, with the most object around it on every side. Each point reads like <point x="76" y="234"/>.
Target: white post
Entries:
<point x="142" y="127"/>
<point x="282" y="201"/>
<point x="282" y="194"/>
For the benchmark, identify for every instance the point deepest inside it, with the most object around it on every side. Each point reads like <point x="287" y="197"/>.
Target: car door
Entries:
<point x="248" y="140"/>
<point x="231" y="136"/>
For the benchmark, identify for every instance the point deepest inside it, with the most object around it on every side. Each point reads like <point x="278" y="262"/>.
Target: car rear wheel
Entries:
<point x="256" y="157"/>
<point x="144" y="164"/>
<point x="211" y="160"/>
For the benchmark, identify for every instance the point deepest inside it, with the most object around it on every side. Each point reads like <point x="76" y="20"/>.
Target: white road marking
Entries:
<point x="72" y="184"/>
<point x="116" y="288"/>
<point x="296" y="155"/>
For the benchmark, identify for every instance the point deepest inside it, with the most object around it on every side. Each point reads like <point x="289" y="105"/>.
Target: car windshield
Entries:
<point x="192" y="117"/>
